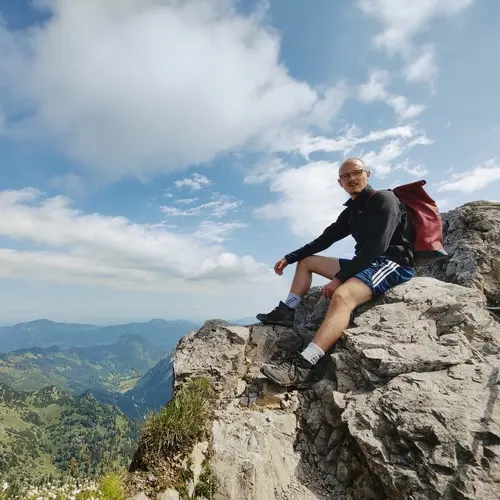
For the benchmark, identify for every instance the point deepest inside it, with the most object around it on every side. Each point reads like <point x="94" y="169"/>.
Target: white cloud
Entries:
<point x="137" y="87"/>
<point x="381" y="161"/>
<point x="473" y="180"/>
<point x="324" y="109"/>
<point x="350" y="139"/>
<point x="423" y="68"/>
<point x="111" y="251"/>
<point x="195" y="182"/>
<point x="310" y="198"/>
<point x="376" y="90"/>
<point x="403" y="108"/>
<point x="402" y="21"/>
<point x="186" y="201"/>
<point x="414" y="170"/>
<point x="399" y="141"/>
<point x="220" y="205"/>
<point x="216" y="232"/>
<point x="265" y="171"/>
<point x="421" y="140"/>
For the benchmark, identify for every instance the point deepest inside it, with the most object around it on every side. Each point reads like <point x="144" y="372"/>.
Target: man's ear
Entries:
<point x="368" y="173"/>
<point x="340" y="182"/>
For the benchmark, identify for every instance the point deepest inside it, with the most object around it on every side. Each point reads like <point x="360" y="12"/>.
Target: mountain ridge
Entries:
<point x="103" y="370"/>
<point x="46" y="333"/>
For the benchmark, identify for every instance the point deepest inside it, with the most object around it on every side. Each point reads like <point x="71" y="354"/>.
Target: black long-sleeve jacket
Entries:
<point x="380" y="227"/>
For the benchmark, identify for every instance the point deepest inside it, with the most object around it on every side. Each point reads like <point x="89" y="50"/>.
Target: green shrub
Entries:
<point x="182" y="422"/>
<point x="207" y="482"/>
<point x="112" y="487"/>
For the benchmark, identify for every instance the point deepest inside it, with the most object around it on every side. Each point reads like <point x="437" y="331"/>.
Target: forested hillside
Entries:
<point x="50" y="434"/>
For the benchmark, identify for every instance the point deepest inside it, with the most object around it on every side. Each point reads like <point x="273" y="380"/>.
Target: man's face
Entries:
<point x="353" y="176"/>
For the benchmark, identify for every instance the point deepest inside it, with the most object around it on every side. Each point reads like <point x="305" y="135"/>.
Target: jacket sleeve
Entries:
<point x="385" y="215"/>
<point x="335" y="232"/>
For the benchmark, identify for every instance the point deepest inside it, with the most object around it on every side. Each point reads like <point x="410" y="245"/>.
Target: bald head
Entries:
<point x="354" y="162"/>
<point x="353" y="176"/>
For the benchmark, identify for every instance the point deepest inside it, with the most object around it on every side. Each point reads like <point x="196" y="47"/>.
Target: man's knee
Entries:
<point x="351" y="294"/>
<point x="342" y="297"/>
<point x="305" y="264"/>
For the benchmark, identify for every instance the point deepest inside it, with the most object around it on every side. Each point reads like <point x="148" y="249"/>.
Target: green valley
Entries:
<point x="105" y="368"/>
<point x="77" y="411"/>
<point x="50" y="434"/>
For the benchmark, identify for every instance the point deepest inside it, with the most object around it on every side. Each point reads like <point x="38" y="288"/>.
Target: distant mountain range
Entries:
<point x="132" y="373"/>
<point x="45" y="333"/>
<point x="48" y="433"/>
<point x="129" y="365"/>
<point x="114" y="368"/>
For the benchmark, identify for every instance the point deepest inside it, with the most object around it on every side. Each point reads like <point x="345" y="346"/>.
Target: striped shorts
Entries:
<point x="383" y="274"/>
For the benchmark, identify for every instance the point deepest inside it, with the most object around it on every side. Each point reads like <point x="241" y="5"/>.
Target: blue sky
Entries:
<point x="158" y="157"/>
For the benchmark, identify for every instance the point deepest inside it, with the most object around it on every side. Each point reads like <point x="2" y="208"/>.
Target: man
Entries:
<point x="384" y="257"/>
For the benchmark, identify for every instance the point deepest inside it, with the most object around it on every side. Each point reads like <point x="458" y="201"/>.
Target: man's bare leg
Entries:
<point x="297" y="370"/>
<point x="345" y="299"/>
<point x="284" y="313"/>
<point x="327" y="267"/>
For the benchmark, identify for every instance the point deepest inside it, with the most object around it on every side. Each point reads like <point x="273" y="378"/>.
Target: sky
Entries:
<point x="159" y="156"/>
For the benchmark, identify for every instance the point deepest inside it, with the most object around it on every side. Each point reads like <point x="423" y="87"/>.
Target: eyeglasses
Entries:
<point x="354" y="173"/>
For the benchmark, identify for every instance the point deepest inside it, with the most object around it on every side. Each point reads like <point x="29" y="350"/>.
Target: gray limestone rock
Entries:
<point x="432" y="435"/>
<point x="254" y="457"/>
<point x="216" y="351"/>
<point x="472" y="239"/>
<point x="423" y="325"/>
<point x="410" y="409"/>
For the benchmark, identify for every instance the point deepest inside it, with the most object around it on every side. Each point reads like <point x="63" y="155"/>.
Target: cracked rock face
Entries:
<point x="407" y="409"/>
<point x="254" y="456"/>
<point x="425" y="325"/>
<point x="434" y="434"/>
<point x="217" y="351"/>
<point x="472" y="239"/>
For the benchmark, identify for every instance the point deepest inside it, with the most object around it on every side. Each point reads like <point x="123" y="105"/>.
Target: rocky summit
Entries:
<point x="472" y="239"/>
<point x="407" y="405"/>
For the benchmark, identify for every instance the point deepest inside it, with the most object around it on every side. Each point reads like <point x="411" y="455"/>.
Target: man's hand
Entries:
<point x="280" y="265"/>
<point x="331" y="287"/>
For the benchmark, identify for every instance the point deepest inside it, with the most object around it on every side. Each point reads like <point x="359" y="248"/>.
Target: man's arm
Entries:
<point x="385" y="216"/>
<point x="334" y="232"/>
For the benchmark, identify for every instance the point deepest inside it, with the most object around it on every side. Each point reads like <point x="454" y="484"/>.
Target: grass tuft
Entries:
<point x="112" y="487"/>
<point x="181" y="423"/>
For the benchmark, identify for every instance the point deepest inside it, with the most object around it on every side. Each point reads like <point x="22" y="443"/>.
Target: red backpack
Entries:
<point x="425" y="221"/>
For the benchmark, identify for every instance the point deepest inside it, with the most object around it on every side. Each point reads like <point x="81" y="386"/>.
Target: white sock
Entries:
<point x="293" y="300"/>
<point x="312" y="353"/>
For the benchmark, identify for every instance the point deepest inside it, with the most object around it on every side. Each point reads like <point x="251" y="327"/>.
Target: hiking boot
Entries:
<point x="294" y="372"/>
<point x="281" y="315"/>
